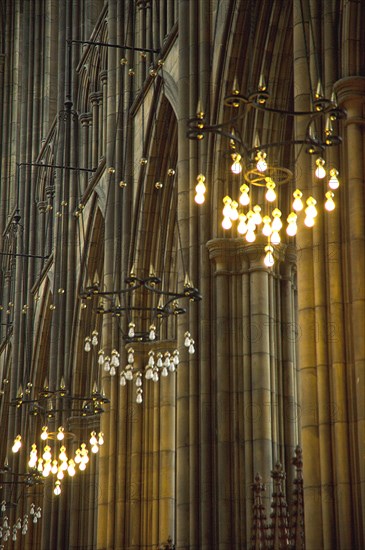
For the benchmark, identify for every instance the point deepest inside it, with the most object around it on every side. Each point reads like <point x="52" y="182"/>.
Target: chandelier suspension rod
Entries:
<point x="43" y="165"/>
<point x="120" y="47"/>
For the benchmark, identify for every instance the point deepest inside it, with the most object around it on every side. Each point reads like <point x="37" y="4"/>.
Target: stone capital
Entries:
<point x="96" y="98"/>
<point x="85" y="119"/>
<point x="349" y="90"/>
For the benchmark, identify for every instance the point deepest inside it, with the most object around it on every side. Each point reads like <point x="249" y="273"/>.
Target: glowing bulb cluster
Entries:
<point x="48" y="462"/>
<point x="271" y="221"/>
<point x="96" y="441"/>
<point x="200" y="189"/>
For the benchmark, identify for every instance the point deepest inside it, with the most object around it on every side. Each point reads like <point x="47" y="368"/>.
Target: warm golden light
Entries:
<point x="329" y="204"/>
<point x="236" y="167"/>
<point x="269" y="258"/>
<point x="333" y="181"/>
<point x="320" y="172"/>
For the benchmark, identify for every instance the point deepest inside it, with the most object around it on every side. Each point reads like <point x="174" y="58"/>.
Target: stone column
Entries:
<point x="351" y="481"/>
<point x="95" y="99"/>
<point x="86" y="122"/>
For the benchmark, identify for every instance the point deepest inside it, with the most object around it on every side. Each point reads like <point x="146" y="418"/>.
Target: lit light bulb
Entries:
<point x="250" y="236"/>
<point x="270" y="193"/>
<point x="333" y="181"/>
<point x="62" y="456"/>
<point x="100" y="438"/>
<point x="250" y="221"/>
<point x="236" y="167"/>
<point x="234" y="211"/>
<point x="261" y="163"/>
<point x="17" y="444"/>
<point x="242" y="227"/>
<point x="277" y="224"/>
<point x="266" y="229"/>
<point x="93" y="440"/>
<point x="71" y="468"/>
<point x="82" y="466"/>
<point x="275" y="238"/>
<point x="226" y="223"/>
<point x="292" y="224"/>
<point x="44" y="434"/>
<point x="320" y="172"/>
<point x="60" y="474"/>
<point x="244" y="199"/>
<point x="47" y="454"/>
<point x="57" y="488"/>
<point x="269" y="258"/>
<point x="54" y="468"/>
<point x="309" y="222"/>
<point x="200" y="189"/>
<point x="257" y="219"/>
<point x="60" y="433"/>
<point x="199" y="199"/>
<point x="227" y="207"/>
<point x="329" y="204"/>
<point x="94" y="449"/>
<point x="297" y="203"/>
<point x="311" y="210"/>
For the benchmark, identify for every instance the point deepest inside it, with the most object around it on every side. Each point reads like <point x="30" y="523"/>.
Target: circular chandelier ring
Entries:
<point x="279" y="175"/>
